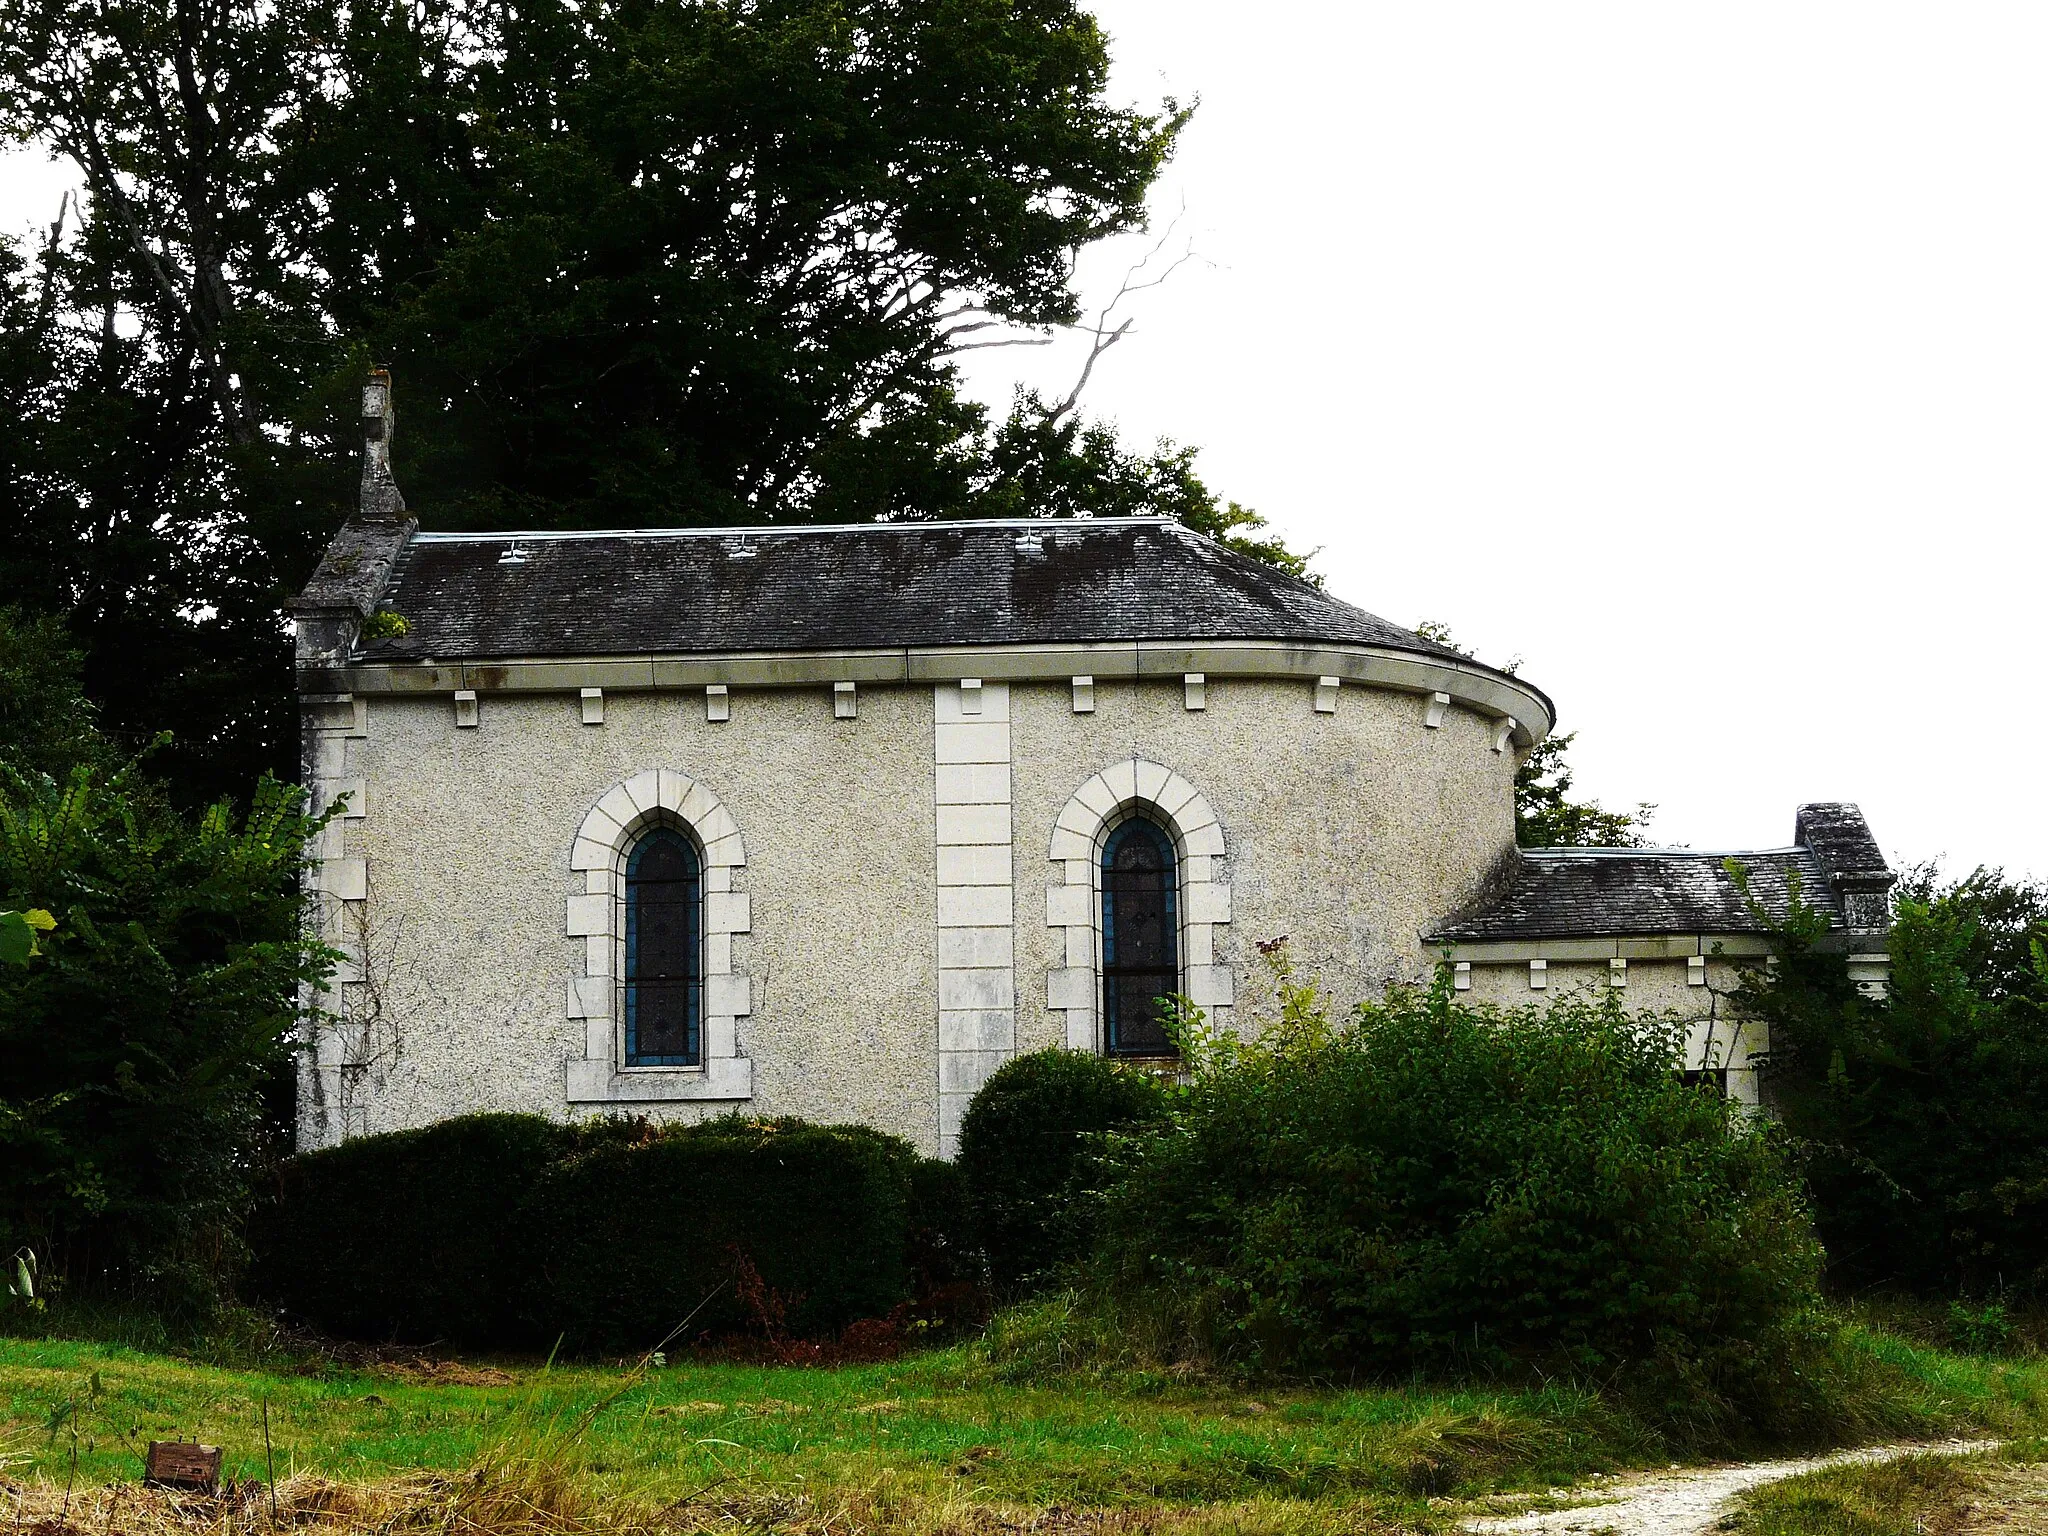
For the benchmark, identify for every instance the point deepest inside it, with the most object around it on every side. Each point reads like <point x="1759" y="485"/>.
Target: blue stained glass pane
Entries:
<point x="1140" y="939"/>
<point x="664" y="952"/>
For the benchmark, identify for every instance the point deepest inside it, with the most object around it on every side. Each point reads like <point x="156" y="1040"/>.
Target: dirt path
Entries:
<point x="1687" y="1503"/>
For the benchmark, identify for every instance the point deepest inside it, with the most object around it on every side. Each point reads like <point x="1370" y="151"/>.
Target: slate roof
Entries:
<point x="879" y="585"/>
<point x="1562" y="893"/>
<point x="1558" y="893"/>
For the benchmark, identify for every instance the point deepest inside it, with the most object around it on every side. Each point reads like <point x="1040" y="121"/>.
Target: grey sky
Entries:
<point x="1693" y="354"/>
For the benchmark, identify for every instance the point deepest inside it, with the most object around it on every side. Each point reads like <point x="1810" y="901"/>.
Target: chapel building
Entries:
<point x="832" y="821"/>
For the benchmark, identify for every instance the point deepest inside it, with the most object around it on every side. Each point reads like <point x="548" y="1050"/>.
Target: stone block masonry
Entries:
<point x="977" y="1010"/>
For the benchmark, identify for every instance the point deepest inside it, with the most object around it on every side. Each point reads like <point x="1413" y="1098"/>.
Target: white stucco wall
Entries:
<point x="467" y="846"/>
<point x="1349" y="831"/>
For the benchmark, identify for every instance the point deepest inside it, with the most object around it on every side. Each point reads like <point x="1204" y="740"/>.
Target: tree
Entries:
<point x="1045" y="461"/>
<point x="164" y="993"/>
<point x="46" y="723"/>
<point x="120" y="512"/>
<point x="723" y="243"/>
<point x="643" y="262"/>
<point x="1924" y="1110"/>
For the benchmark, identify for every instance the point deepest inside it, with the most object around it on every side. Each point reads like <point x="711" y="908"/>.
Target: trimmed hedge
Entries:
<point x="410" y="1236"/>
<point x="776" y="1226"/>
<point x="511" y="1230"/>
<point x="1025" y="1145"/>
<point x="945" y="1254"/>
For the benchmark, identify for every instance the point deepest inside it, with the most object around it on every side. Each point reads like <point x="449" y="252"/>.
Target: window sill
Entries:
<point x="601" y="1082"/>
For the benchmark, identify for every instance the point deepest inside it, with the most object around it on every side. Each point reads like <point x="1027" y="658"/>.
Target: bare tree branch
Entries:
<point x="1007" y="341"/>
<point x="1103" y="335"/>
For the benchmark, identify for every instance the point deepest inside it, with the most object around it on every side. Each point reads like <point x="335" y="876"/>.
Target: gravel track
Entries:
<point x="1690" y="1502"/>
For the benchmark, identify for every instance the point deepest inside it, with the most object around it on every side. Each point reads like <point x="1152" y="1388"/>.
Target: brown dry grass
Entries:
<point x="531" y="1499"/>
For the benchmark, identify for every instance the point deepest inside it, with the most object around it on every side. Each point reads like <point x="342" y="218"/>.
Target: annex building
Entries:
<point x="831" y="822"/>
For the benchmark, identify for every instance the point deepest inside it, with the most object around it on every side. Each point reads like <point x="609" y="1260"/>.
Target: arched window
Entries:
<point x="1140" y="939"/>
<point x="664" y="952"/>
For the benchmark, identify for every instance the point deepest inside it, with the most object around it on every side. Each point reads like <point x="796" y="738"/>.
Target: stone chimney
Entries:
<point x="354" y="572"/>
<point x="380" y="502"/>
<point x="1841" y="843"/>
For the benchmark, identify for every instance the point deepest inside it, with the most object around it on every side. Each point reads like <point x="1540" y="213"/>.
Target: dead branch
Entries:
<point x="1103" y="334"/>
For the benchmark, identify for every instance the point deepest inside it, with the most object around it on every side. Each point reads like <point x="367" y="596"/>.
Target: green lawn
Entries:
<point x="931" y="1420"/>
<point x="933" y="1429"/>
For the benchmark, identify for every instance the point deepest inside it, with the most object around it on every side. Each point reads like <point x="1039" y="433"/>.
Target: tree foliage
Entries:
<point x="1546" y="816"/>
<point x="635" y="263"/>
<point x="1924" y="1111"/>
<point x="164" y="995"/>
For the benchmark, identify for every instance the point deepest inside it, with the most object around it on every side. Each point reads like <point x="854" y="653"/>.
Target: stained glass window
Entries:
<point x="1140" y="939"/>
<point x="664" y="952"/>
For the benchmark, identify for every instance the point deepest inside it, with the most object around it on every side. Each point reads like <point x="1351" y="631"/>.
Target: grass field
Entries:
<point x="932" y="1423"/>
<point x="931" y="1433"/>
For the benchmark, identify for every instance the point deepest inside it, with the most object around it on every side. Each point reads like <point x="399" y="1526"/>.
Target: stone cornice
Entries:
<point x="1494" y="695"/>
<point x="1862" y="946"/>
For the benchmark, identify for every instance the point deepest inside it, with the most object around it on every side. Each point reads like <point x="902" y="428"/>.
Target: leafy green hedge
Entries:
<point x="786" y="1227"/>
<point x="510" y="1230"/>
<point x="1025" y="1145"/>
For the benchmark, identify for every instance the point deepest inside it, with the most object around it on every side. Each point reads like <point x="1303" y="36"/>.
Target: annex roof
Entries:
<point x="1558" y="893"/>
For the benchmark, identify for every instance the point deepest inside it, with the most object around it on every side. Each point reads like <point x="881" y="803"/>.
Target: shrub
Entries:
<point x="513" y="1230"/>
<point x="413" y="1235"/>
<point x="1980" y="1330"/>
<point x="944" y="1253"/>
<point x="771" y="1225"/>
<point x="1432" y="1184"/>
<point x="1026" y="1146"/>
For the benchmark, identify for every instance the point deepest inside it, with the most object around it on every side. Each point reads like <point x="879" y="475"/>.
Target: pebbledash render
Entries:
<point x="831" y="822"/>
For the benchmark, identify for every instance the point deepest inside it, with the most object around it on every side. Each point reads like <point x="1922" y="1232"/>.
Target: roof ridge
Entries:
<point x="749" y="530"/>
<point x="1641" y="853"/>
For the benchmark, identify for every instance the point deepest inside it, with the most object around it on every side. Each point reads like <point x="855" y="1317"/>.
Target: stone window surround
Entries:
<point x="1135" y="787"/>
<point x="656" y="797"/>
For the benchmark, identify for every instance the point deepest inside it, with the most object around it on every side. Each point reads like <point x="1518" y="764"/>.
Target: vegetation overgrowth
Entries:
<point x="160" y="1002"/>
<point x="1922" y="1115"/>
<point x="1912" y="1496"/>
<point x="1429" y="1185"/>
